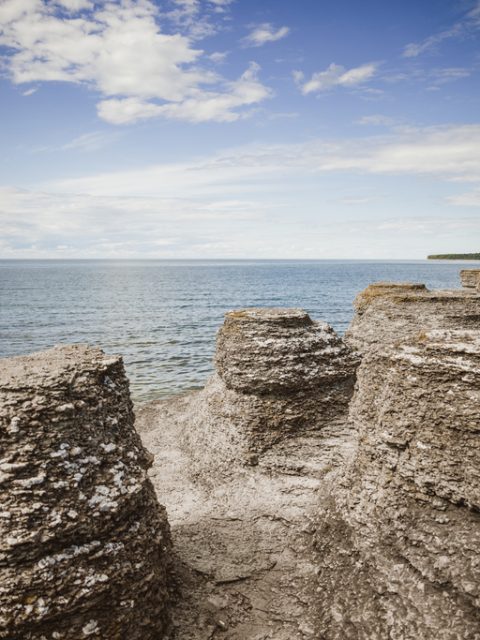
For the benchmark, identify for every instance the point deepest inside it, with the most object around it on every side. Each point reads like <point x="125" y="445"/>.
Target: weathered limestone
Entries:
<point x="240" y="465"/>
<point x="278" y="374"/>
<point x="84" y="545"/>
<point x="391" y="312"/>
<point x="470" y="278"/>
<point x="398" y="543"/>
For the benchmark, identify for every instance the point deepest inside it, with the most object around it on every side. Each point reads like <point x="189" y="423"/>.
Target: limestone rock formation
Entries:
<point x="400" y="531"/>
<point x="391" y="312"/>
<point x="84" y="545"/>
<point x="240" y="465"/>
<point x="278" y="374"/>
<point x="470" y="278"/>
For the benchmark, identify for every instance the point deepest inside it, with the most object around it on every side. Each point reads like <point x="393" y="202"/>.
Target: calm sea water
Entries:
<point x="162" y="316"/>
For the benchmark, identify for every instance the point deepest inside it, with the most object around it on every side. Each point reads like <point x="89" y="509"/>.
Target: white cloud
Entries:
<point x="264" y="33"/>
<point x="376" y="120"/>
<point x="202" y="106"/>
<point x="335" y="76"/>
<point x="218" y="56"/>
<point x="92" y="141"/>
<point x="239" y="202"/>
<point x="75" y="5"/>
<point x="29" y="92"/>
<point x="118" y="50"/>
<point x="42" y="224"/>
<point x="468" y="199"/>
<point x="449" y="153"/>
<point x="471" y="21"/>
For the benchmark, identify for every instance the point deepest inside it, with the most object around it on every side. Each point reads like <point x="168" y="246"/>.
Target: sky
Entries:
<point x="239" y="128"/>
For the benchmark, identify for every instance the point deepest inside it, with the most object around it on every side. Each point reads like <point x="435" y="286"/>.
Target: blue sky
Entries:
<point x="239" y="128"/>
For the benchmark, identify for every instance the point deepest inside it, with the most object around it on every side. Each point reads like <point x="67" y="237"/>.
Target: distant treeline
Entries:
<point x="455" y="256"/>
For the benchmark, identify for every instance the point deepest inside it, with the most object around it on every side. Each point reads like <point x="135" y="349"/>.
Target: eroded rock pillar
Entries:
<point x="398" y="542"/>
<point x="278" y="373"/>
<point x="470" y="278"/>
<point x="84" y="545"/>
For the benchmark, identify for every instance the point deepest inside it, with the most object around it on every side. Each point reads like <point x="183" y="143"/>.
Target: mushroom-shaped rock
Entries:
<point x="470" y="278"/>
<point x="278" y="373"/>
<point x="278" y="351"/>
<point x="400" y="539"/>
<point x="84" y="545"/>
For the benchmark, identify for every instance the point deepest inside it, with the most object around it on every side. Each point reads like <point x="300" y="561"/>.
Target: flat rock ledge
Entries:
<point x="84" y="544"/>
<point x="387" y="313"/>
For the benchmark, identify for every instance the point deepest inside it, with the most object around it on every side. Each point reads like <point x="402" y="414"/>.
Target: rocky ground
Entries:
<point x="244" y="544"/>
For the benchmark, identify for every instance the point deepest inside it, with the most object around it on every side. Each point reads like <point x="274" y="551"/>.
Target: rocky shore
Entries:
<point x="318" y="487"/>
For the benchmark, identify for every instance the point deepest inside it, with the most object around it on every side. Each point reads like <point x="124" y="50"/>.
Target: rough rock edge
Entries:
<point x="84" y="545"/>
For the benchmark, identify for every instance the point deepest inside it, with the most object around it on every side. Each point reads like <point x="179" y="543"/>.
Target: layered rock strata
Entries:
<point x="84" y="545"/>
<point x="278" y="374"/>
<point x="387" y="313"/>
<point x="240" y="466"/>
<point x="470" y="278"/>
<point x="398" y="542"/>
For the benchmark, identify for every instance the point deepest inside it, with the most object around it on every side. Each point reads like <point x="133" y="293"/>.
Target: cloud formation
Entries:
<point x="118" y="50"/>
<point x="263" y="33"/>
<point x="335" y="76"/>
<point x="238" y="202"/>
<point x="470" y="22"/>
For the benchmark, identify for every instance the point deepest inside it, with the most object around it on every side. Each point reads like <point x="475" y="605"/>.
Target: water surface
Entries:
<point x="162" y="316"/>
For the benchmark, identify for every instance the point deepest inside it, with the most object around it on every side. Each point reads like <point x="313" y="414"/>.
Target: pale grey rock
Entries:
<point x="278" y="374"/>
<point x="240" y="466"/>
<point x="470" y="278"/>
<point x="387" y="313"/>
<point x="400" y="531"/>
<point x="84" y="544"/>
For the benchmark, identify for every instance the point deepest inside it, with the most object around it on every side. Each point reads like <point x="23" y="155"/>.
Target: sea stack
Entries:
<point x="400" y="527"/>
<point x="84" y="545"/>
<point x="470" y="278"/>
<point x="278" y="373"/>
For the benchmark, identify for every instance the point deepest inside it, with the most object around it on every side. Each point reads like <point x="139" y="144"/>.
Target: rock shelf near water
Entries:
<point x="387" y="313"/>
<point x="84" y="545"/>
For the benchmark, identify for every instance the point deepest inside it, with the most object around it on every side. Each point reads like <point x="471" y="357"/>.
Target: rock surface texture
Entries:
<point x="387" y="313"/>
<point x="400" y="525"/>
<point x="278" y="374"/>
<point x="84" y="545"/>
<point x="240" y="466"/>
<point x="470" y="278"/>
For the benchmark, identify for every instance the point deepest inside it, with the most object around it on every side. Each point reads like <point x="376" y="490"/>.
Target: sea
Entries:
<point x="162" y="316"/>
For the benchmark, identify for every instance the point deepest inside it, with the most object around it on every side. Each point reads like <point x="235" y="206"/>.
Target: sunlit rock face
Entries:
<point x="84" y="545"/>
<point x="278" y="373"/>
<point x="399" y="535"/>
<point x="470" y="278"/>
<point x="387" y="313"/>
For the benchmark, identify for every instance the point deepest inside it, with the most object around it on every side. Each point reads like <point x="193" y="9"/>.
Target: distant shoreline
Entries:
<point x="455" y="256"/>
